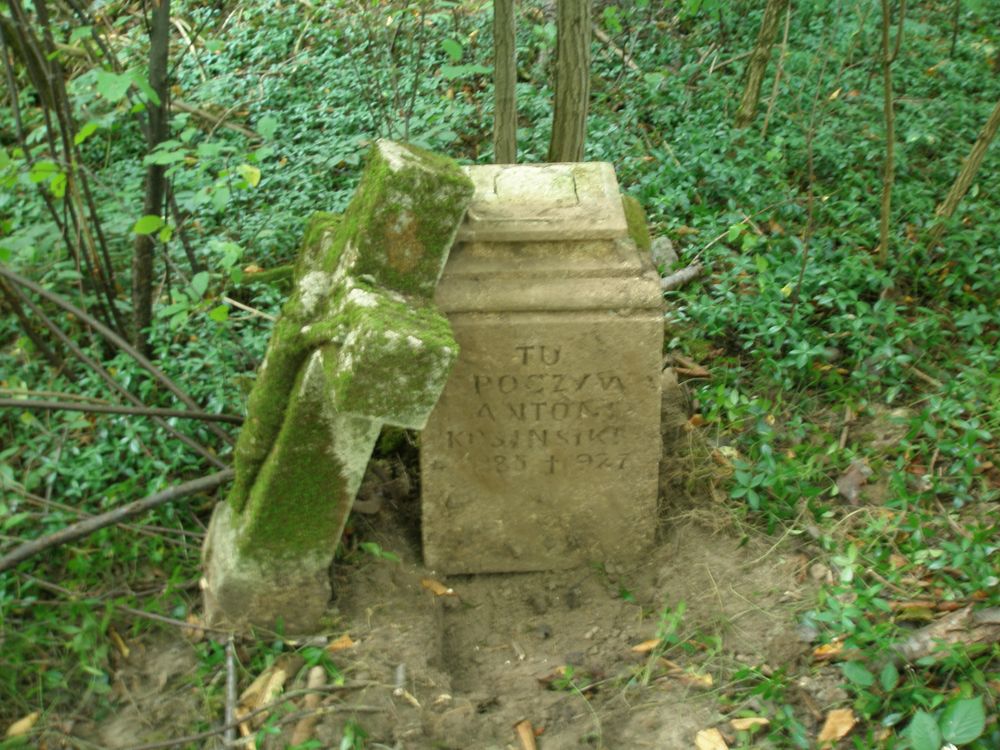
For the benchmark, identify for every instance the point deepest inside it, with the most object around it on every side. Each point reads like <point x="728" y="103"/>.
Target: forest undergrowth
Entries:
<point x="852" y="404"/>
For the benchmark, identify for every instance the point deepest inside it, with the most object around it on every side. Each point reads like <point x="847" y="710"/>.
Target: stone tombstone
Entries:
<point x="543" y="449"/>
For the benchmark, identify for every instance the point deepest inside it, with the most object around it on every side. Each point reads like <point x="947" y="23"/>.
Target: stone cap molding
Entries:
<point x="537" y="202"/>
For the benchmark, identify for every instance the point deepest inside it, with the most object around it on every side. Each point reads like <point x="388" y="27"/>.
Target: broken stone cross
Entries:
<point x="358" y="345"/>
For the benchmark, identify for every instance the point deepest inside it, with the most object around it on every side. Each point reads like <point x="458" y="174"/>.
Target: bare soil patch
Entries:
<point x="556" y="648"/>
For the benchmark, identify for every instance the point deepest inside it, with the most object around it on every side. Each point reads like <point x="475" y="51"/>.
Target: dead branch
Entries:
<point x="618" y="51"/>
<point x="76" y="596"/>
<point x="115" y="339"/>
<point x="965" y="627"/>
<point x="216" y="121"/>
<point x="229" y="735"/>
<point x="106" y="376"/>
<point x="143" y="411"/>
<point x="525" y="734"/>
<point x="965" y="177"/>
<point x="778" y="72"/>
<point x="88" y="526"/>
<point x="252" y="310"/>
<point x="53" y="394"/>
<point x="682" y="277"/>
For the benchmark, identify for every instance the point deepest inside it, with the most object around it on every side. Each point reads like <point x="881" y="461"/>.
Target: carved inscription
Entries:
<point x="544" y="417"/>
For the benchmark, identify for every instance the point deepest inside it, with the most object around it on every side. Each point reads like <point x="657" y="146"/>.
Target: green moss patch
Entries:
<point x="638" y="228"/>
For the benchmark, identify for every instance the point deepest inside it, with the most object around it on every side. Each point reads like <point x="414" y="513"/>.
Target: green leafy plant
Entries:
<point x="959" y="723"/>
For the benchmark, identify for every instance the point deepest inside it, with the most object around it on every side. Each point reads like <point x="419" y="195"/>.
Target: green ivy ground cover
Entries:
<point x="798" y="352"/>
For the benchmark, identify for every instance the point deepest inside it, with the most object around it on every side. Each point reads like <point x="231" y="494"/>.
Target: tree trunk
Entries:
<point x="757" y="64"/>
<point x="142" y="258"/>
<point x="504" y="79"/>
<point x="965" y="177"/>
<point x="569" y="123"/>
<point x="889" y="170"/>
<point x="36" y="67"/>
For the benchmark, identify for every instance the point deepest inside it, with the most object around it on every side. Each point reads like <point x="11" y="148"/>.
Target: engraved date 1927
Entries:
<point x="517" y="463"/>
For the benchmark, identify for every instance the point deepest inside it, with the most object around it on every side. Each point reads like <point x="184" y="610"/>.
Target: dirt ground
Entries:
<point x="572" y="652"/>
<point x="460" y="670"/>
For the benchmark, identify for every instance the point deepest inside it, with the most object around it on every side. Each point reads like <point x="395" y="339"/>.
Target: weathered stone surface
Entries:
<point x="543" y="449"/>
<point x="358" y="344"/>
<point x="544" y="202"/>
<point x="242" y="591"/>
<point x="394" y="360"/>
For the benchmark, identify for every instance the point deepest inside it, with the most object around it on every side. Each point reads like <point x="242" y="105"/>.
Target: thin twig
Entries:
<point x="180" y="26"/>
<point x="77" y="595"/>
<point x="229" y="735"/>
<point x="926" y="378"/>
<point x="102" y="372"/>
<point x="90" y="525"/>
<point x="679" y="278"/>
<point x="731" y="60"/>
<point x="777" y="73"/>
<point x="155" y="617"/>
<point x="148" y="530"/>
<point x="296" y="716"/>
<point x="247" y="308"/>
<point x="115" y="339"/>
<point x="606" y="40"/>
<point x="52" y="394"/>
<point x="744" y="220"/>
<point x="811" y="194"/>
<point x="144" y="411"/>
<point x="216" y="121"/>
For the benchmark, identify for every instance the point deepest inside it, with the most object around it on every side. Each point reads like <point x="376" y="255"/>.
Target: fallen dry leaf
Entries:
<point x="436" y="587"/>
<point x="526" y="735"/>
<point x="23" y="725"/>
<point x="695" y="679"/>
<point x="246" y="732"/>
<point x="303" y="731"/>
<point x="749" y="722"/>
<point x="264" y="689"/>
<point x="340" y="644"/>
<point x="672" y="666"/>
<point x="828" y="651"/>
<point x="268" y="685"/>
<point x="710" y="739"/>
<point x="194" y="634"/>
<point x="119" y="642"/>
<point x="851" y="481"/>
<point x="897" y="561"/>
<point x="646" y="646"/>
<point x="838" y="723"/>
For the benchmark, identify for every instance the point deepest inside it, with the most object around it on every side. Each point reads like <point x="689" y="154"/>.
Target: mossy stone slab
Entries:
<point x="358" y="344"/>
